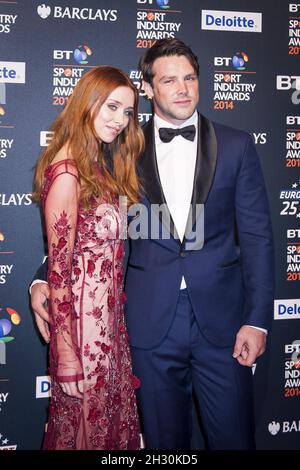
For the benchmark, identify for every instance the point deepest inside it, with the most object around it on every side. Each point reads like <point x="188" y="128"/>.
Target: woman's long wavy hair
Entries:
<point x="75" y="127"/>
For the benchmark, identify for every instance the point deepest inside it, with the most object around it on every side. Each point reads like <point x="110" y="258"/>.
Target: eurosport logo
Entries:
<point x="231" y="21"/>
<point x="136" y="77"/>
<point x="12" y="72"/>
<point x="74" y="13"/>
<point x="290" y="200"/>
<point x="286" y="309"/>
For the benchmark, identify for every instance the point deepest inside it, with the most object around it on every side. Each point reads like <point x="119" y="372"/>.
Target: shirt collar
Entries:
<point x="159" y="122"/>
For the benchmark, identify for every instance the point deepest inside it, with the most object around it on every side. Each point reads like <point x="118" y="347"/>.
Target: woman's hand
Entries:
<point x="73" y="389"/>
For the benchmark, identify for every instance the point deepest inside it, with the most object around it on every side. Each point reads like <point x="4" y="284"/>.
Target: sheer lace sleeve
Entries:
<point x="60" y="209"/>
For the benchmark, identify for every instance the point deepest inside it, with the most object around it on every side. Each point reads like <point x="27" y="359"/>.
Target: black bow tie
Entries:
<point x="166" y="134"/>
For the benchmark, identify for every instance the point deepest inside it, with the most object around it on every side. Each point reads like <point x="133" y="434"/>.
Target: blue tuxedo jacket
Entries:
<point x="229" y="279"/>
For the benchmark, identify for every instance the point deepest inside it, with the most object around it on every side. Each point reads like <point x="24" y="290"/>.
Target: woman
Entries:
<point x="88" y="165"/>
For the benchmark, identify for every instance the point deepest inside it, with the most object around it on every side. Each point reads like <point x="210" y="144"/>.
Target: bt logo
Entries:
<point x="81" y="54"/>
<point x="164" y="4"/>
<point x="286" y="82"/>
<point x="238" y="61"/>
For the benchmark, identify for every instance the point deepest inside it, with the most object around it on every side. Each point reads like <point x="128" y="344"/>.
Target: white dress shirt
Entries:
<point x="176" y="162"/>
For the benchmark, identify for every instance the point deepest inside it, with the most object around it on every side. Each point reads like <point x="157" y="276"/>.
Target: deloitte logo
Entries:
<point x="12" y="72"/>
<point x="43" y="11"/>
<point x="286" y="309"/>
<point x="43" y="386"/>
<point x="81" y="54"/>
<point x="231" y="21"/>
<point x="239" y="59"/>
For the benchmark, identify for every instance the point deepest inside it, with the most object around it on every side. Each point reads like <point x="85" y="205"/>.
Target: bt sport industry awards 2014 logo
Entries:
<point x="65" y="74"/>
<point x="153" y="24"/>
<point x="232" y="86"/>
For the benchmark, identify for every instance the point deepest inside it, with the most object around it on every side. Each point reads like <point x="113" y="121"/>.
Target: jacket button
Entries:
<point x="183" y="254"/>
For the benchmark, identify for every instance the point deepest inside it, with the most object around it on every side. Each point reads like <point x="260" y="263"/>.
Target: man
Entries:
<point x="197" y="312"/>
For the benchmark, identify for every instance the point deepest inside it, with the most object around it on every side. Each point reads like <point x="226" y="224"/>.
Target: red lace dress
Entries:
<point x="88" y="333"/>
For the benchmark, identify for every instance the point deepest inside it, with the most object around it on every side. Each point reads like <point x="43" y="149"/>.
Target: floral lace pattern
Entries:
<point x="88" y="333"/>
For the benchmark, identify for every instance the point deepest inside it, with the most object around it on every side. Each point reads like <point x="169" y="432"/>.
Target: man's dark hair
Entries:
<point x="164" y="48"/>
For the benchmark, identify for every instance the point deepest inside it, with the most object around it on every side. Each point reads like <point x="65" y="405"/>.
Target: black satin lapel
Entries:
<point x="150" y="180"/>
<point x="205" y="168"/>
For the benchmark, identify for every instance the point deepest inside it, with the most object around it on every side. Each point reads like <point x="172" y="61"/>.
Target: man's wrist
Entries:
<point x="258" y="328"/>
<point x="36" y="281"/>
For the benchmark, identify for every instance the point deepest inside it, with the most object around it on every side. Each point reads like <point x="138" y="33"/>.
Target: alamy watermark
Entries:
<point x="154" y="222"/>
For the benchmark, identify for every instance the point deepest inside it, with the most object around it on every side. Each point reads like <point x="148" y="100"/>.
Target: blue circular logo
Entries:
<point x="163" y="4"/>
<point x="239" y="60"/>
<point x="81" y="54"/>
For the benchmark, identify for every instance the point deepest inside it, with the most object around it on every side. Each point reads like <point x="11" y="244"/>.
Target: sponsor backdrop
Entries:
<point x="249" y="60"/>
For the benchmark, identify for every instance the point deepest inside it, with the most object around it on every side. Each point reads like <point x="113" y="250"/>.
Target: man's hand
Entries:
<point x="40" y="293"/>
<point x="250" y="344"/>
